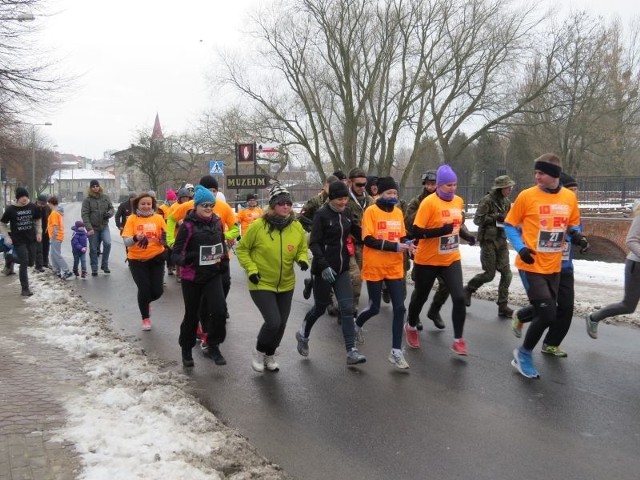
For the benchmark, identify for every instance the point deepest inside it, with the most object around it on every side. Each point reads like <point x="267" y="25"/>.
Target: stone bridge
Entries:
<point x="607" y="237"/>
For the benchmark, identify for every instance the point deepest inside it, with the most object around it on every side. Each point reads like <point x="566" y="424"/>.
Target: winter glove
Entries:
<point x="143" y="243"/>
<point x="303" y="265"/>
<point x="329" y="275"/>
<point x="526" y="254"/>
<point x="471" y="240"/>
<point x="163" y="237"/>
<point x="584" y="245"/>
<point x="500" y="218"/>
<point x="446" y="229"/>
<point x="254" y="278"/>
<point x="580" y="240"/>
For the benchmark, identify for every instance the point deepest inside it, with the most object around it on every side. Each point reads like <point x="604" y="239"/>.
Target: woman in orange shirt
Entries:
<point x="384" y="238"/>
<point x="144" y="237"/>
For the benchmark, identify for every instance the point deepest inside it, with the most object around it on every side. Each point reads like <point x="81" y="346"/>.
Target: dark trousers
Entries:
<point x="42" y="252"/>
<point x="148" y="277"/>
<point x="396" y="292"/>
<point x="203" y="302"/>
<point x="425" y="276"/>
<point x="275" y="308"/>
<point x="26" y="253"/>
<point x="542" y="290"/>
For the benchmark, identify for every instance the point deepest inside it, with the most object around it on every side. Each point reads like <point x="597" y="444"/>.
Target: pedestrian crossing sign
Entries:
<point x="216" y="167"/>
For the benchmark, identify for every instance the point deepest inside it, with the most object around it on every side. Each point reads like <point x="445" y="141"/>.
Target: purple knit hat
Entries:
<point x="445" y="174"/>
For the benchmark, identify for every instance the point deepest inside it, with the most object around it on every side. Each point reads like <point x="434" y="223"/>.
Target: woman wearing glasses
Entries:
<point x="268" y="251"/>
<point x="199" y="250"/>
<point x="143" y="235"/>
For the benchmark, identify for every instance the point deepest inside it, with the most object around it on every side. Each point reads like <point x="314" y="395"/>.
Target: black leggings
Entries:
<point x="204" y="302"/>
<point x="148" y="276"/>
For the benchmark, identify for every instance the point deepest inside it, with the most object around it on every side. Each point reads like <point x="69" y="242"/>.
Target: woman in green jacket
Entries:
<point x="268" y="251"/>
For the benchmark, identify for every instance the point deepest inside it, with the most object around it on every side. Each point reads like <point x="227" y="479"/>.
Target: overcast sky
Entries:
<point x="136" y="58"/>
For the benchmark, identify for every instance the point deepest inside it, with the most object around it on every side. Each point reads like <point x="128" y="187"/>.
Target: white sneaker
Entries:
<point x="270" y="363"/>
<point x="398" y="360"/>
<point x="257" y="361"/>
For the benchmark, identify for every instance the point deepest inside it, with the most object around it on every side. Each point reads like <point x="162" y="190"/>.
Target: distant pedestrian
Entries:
<point x="144" y="237"/>
<point x="268" y="252"/>
<point x="631" y="297"/>
<point x="494" y="249"/>
<point x="384" y="238"/>
<point x="250" y="214"/>
<point x="55" y="228"/>
<point x="79" y="243"/>
<point x="199" y="250"/>
<point x="23" y="219"/>
<point x="96" y="212"/>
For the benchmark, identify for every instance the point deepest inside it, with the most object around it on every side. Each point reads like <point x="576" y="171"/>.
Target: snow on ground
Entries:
<point x="136" y="419"/>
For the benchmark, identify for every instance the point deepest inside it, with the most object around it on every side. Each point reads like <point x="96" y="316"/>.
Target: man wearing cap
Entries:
<point x="248" y="215"/>
<point x="23" y="219"/>
<point x="42" y="248"/>
<point x="97" y="209"/>
<point x="494" y="250"/>
<point x="536" y="226"/>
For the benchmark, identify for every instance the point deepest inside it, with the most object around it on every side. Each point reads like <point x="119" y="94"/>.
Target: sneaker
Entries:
<point x="524" y="364"/>
<point x="359" y="331"/>
<point x="257" y="360"/>
<point x="66" y="275"/>
<point x="551" y="350"/>
<point x="459" y="346"/>
<point x="516" y="325"/>
<point x="146" y="324"/>
<point x="436" y="318"/>
<point x="204" y="346"/>
<point x="411" y="335"/>
<point x="308" y="286"/>
<point x="467" y="296"/>
<point x="592" y="327"/>
<point x="505" y="311"/>
<point x="354" y="357"/>
<point x="106" y="270"/>
<point x="386" y="298"/>
<point x="270" y="363"/>
<point x="215" y="354"/>
<point x="398" y="360"/>
<point x="26" y="292"/>
<point x="303" y="345"/>
<point x="187" y="358"/>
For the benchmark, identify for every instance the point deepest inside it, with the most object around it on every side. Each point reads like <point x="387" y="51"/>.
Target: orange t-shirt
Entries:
<point x="379" y="264"/>
<point x="544" y="219"/>
<point x="152" y="227"/>
<point x="247" y="216"/>
<point x="434" y="212"/>
<point x="55" y="220"/>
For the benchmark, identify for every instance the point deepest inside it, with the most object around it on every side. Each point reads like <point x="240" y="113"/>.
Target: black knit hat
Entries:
<point x="548" y="163"/>
<point x="209" y="182"/>
<point x="21" y="192"/>
<point x="94" y="183"/>
<point x="567" y="180"/>
<point x="338" y="190"/>
<point x="386" y="183"/>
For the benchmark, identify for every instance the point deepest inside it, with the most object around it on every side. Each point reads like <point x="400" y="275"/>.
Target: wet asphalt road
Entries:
<point x="448" y="417"/>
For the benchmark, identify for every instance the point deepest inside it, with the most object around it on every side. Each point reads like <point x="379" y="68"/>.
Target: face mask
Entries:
<point x="388" y="201"/>
<point x="447" y="197"/>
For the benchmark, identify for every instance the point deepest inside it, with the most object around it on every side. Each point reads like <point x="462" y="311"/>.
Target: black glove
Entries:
<point x="303" y="265"/>
<point x="580" y="240"/>
<point x="526" y="254"/>
<point x="471" y="240"/>
<point x="254" y="278"/>
<point x="500" y="218"/>
<point x="584" y="245"/>
<point x="144" y="243"/>
<point x="446" y="229"/>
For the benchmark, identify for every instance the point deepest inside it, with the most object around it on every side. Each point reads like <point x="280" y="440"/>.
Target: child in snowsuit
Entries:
<point x="79" y="242"/>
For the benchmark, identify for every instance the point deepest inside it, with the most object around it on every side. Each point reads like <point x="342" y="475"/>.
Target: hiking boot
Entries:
<point x="83" y="274"/>
<point x="524" y="364"/>
<point x="270" y="363"/>
<point x="303" y="345"/>
<point x="76" y="272"/>
<point x="436" y="318"/>
<point x="26" y="292"/>
<point x="505" y="311"/>
<point x="398" y="360"/>
<point x="106" y="270"/>
<point x="411" y="336"/>
<point x="386" y="298"/>
<point x="459" y="346"/>
<point x="308" y="286"/>
<point x="187" y="358"/>
<point x="215" y="354"/>
<point x="592" y="327"/>
<point x="94" y="274"/>
<point x="146" y="324"/>
<point x="354" y="357"/>
<point x="359" y="334"/>
<point x="66" y="275"/>
<point x="516" y="325"/>
<point x="551" y="350"/>
<point x="257" y="360"/>
<point x="7" y="270"/>
<point x="467" y="296"/>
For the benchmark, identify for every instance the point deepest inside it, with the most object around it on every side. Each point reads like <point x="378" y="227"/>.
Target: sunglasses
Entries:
<point x="206" y="205"/>
<point x="280" y="204"/>
<point x="361" y="184"/>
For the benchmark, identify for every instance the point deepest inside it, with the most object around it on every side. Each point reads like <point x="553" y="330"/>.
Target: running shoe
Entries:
<point x="516" y="325"/>
<point x="270" y="363"/>
<point x="411" y="335"/>
<point x="303" y="345"/>
<point x="551" y="350"/>
<point x="257" y="361"/>
<point x="592" y="327"/>
<point x="146" y="324"/>
<point x="398" y="360"/>
<point x="523" y="362"/>
<point x="354" y="357"/>
<point x="459" y="346"/>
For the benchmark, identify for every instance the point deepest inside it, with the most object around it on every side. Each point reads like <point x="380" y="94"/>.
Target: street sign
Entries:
<point x="216" y="167"/>
<point x="247" y="181"/>
<point x="246" y="152"/>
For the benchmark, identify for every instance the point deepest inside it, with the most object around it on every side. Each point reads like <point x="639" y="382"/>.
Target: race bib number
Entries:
<point x="449" y="243"/>
<point x="211" y="254"/>
<point x="550" y="242"/>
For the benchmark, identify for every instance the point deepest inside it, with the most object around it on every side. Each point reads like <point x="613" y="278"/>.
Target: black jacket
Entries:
<point x="328" y="241"/>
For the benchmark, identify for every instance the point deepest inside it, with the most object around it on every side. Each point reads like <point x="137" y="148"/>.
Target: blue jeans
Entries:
<point x="396" y="292"/>
<point x="79" y="258"/>
<point x="98" y="236"/>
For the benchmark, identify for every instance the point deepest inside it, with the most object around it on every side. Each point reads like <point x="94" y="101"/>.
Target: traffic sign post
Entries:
<point x="216" y="167"/>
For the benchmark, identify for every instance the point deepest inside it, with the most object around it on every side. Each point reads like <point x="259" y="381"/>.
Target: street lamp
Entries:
<point x="33" y="154"/>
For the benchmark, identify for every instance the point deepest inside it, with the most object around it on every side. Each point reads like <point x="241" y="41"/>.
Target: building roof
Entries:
<point x="87" y="174"/>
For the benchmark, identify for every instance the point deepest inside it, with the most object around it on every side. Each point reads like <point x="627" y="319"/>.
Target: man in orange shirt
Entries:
<point x="248" y="215"/>
<point x="540" y="218"/>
